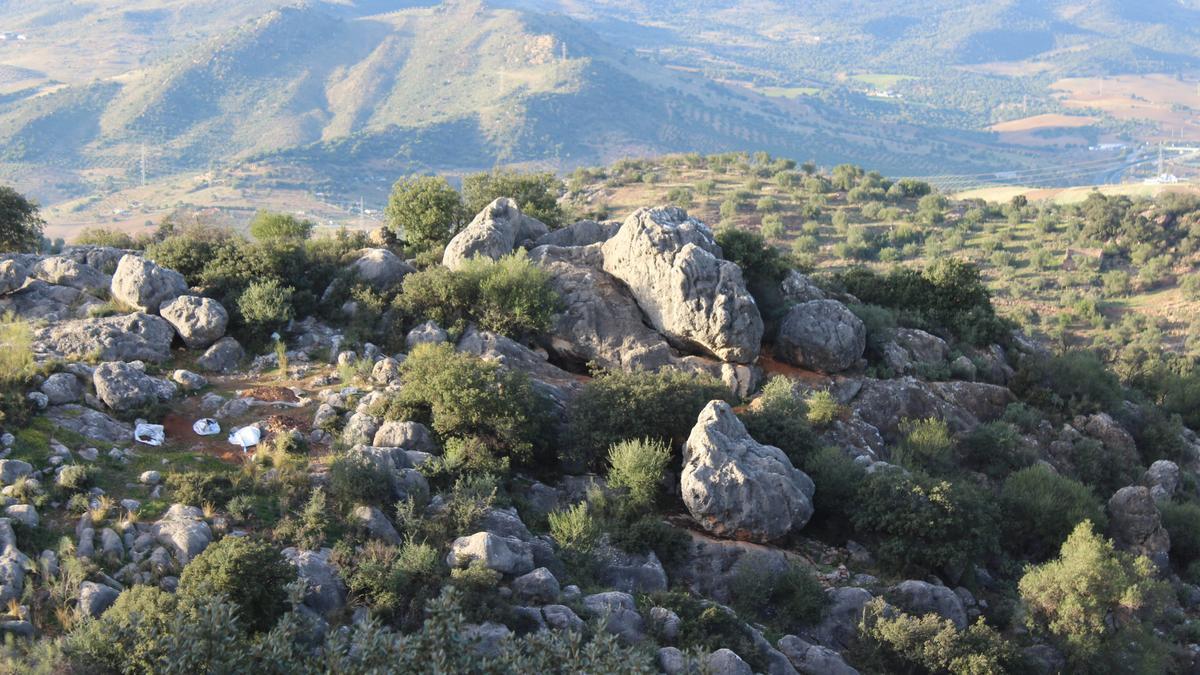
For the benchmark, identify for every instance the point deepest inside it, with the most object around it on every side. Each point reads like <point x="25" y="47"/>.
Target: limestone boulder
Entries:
<point x="380" y="268"/>
<point x="1135" y="524"/>
<point x="144" y="285"/>
<point x="821" y="335"/>
<point x="738" y="488"/>
<point x="125" y="386"/>
<point x="199" y="321"/>
<point x="495" y="232"/>
<point x="672" y="265"/>
<point x="127" y="337"/>
<point x="63" y="271"/>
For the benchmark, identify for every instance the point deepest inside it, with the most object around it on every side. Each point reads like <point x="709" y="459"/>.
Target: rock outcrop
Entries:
<point x="128" y="337"/>
<point x="199" y="321"/>
<point x="673" y="267"/>
<point x="62" y="271"/>
<point x="821" y="335"/>
<point x="144" y="285"/>
<point x="495" y="232"/>
<point x="599" y="321"/>
<point x="1136" y="525"/>
<point x="126" y="386"/>
<point x="380" y="268"/>
<point x="738" y="488"/>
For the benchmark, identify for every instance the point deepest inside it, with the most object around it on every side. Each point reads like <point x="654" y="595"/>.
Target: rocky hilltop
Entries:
<point x="666" y="468"/>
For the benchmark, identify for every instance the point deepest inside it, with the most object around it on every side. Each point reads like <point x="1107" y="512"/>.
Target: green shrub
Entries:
<point x="880" y="324"/>
<point x="76" y="477"/>
<point x="1075" y="597"/>
<point x="424" y="211"/>
<point x="638" y="466"/>
<point x="127" y="637"/>
<point x="926" y="444"/>
<point x="823" y="408"/>
<point x="762" y="265"/>
<point x="104" y="236"/>
<point x="574" y="528"/>
<point x="1073" y="383"/>
<point x="395" y="582"/>
<point x="839" y="478"/>
<point x="1182" y="522"/>
<point x="1039" y="508"/>
<point x="251" y="574"/>
<point x="900" y="643"/>
<point x="924" y="523"/>
<point x="618" y="406"/>
<point x="648" y="533"/>
<point x="779" y="417"/>
<point x="198" y="487"/>
<point x="948" y="296"/>
<point x="20" y="224"/>
<point x="995" y="449"/>
<point x="510" y="296"/>
<point x="785" y="596"/>
<point x="467" y="397"/>
<point x="265" y="306"/>
<point x="535" y="193"/>
<point x="354" y="479"/>
<point x="268" y="225"/>
<point x="1103" y="468"/>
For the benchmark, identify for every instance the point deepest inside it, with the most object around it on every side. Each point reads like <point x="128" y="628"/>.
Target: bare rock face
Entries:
<point x="962" y="405"/>
<point x="199" y="321"/>
<point x="673" y="267"/>
<point x="222" y="357"/>
<point x="495" y="232"/>
<point x="62" y="271"/>
<point x="821" y="335"/>
<point x="1136" y="525"/>
<point x="738" y="488"/>
<point x="381" y="268"/>
<point x="125" y="386"/>
<point x="600" y="321"/>
<point x="144" y="285"/>
<point x="12" y="276"/>
<point x="128" y="337"/>
<point x="182" y="530"/>
<point x="582" y="233"/>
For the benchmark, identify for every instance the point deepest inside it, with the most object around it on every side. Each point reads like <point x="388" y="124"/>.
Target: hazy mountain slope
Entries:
<point x="459" y="85"/>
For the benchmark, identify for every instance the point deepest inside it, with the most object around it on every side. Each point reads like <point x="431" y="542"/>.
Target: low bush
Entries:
<point x="995" y="449"/>
<point x="786" y="595"/>
<point x="195" y="488"/>
<point x="637" y="467"/>
<point x="901" y="643"/>
<point x="574" y="528"/>
<point x="926" y="444"/>
<point x="618" y="406"/>
<point x="1182" y="522"/>
<point x="1070" y="384"/>
<point x="251" y="574"/>
<point x="1039" y="508"/>
<point x="354" y="479"/>
<point x="779" y="417"/>
<point x="923" y="523"/>
<point x="823" y="408"/>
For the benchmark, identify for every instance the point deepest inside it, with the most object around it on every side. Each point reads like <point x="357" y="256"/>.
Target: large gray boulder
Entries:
<point x="222" y="357"/>
<point x="62" y="388"/>
<point x="395" y="463"/>
<point x="95" y="598"/>
<point x="380" y="268"/>
<point x="505" y="555"/>
<point x="13" y="564"/>
<point x="821" y="335"/>
<point x="883" y="404"/>
<point x="599" y="320"/>
<point x="838" y="627"/>
<point x="183" y="531"/>
<point x="582" y="233"/>
<point x="797" y="288"/>
<point x="495" y="232"/>
<point x="125" y="386"/>
<point x="738" y="488"/>
<point x="407" y="435"/>
<point x="1162" y="478"/>
<point x="324" y="592"/>
<point x="921" y="598"/>
<point x="38" y="300"/>
<point x="199" y="321"/>
<point x="128" y="337"/>
<point x="144" y="285"/>
<point x="1135" y="524"/>
<point x="619" y="612"/>
<point x="12" y="469"/>
<point x="12" y="276"/>
<point x="62" y="271"/>
<point x="673" y="267"/>
<point x="89" y="423"/>
<point x="811" y="659"/>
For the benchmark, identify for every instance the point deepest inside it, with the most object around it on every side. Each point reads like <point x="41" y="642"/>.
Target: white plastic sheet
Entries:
<point x="247" y="437"/>
<point x="206" y="427"/>
<point x="150" y="434"/>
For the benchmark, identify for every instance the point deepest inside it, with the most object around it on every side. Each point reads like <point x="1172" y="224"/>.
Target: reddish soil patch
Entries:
<point x="271" y="394"/>
<point x="771" y="366"/>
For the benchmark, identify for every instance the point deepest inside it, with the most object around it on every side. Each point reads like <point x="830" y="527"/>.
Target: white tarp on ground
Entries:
<point x="150" y="434"/>
<point x="206" y="427"/>
<point x="246" y="437"/>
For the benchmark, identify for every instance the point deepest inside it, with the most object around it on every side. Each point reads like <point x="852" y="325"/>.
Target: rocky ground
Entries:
<point x="121" y="337"/>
